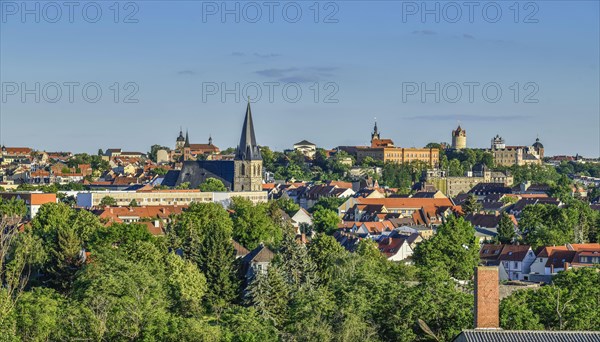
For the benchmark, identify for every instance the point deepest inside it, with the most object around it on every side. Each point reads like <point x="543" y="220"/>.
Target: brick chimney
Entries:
<point x="487" y="298"/>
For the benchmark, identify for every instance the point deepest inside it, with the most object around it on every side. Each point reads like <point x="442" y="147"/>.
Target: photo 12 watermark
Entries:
<point x="290" y="92"/>
<point x="469" y="92"/>
<point x="92" y="12"/>
<point x="470" y="12"/>
<point x="270" y="12"/>
<point x="69" y="92"/>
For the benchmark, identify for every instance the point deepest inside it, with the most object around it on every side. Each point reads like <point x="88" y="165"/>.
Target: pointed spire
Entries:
<point x="248" y="149"/>
<point x="210" y="139"/>
<point x="187" y="139"/>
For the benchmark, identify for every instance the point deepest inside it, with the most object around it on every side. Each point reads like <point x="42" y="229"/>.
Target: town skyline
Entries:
<point x="170" y="141"/>
<point x="187" y="65"/>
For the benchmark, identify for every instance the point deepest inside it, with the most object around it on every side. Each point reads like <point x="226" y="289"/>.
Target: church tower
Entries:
<point x="375" y="134"/>
<point x="248" y="160"/>
<point x="180" y="141"/>
<point x="187" y="148"/>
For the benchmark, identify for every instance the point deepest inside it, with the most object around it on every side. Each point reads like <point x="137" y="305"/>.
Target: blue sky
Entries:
<point x="365" y="57"/>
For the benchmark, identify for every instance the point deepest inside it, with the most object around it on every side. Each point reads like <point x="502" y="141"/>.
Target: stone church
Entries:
<point x="243" y="173"/>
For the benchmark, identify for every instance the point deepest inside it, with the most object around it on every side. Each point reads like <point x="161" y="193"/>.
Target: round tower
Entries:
<point x="459" y="138"/>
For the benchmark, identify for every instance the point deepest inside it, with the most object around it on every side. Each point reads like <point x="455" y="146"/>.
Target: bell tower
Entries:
<point x="375" y="134"/>
<point x="248" y="159"/>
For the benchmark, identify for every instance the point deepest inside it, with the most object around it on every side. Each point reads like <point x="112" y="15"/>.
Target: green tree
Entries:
<point x="453" y="248"/>
<point x="246" y="325"/>
<point x="126" y="292"/>
<point x="252" y="225"/>
<point x="506" y="229"/>
<point x="65" y="234"/>
<point x="108" y="201"/>
<point x="187" y="285"/>
<point x="298" y="268"/>
<point x="445" y="309"/>
<point x="326" y="221"/>
<point x="37" y="314"/>
<point x="133" y="203"/>
<point x="19" y="253"/>
<point x="570" y="303"/>
<point x="471" y="205"/>
<point x="215" y="260"/>
<point x="154" y="150"/>
<point x="212" y="185"/>
<point x="183" y="186"/>
<point x="327" y="254"/>
<point x="287" y="205"/>
<point x="269" y="294"/>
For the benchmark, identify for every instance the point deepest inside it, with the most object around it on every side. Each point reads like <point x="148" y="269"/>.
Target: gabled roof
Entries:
<point x="259" y="254"/>
<point x="559" y="257"/>
<point x="390" y="246"/>
<point x="247" y="148"/>
<point x="240" y="251"/>
<point x="304" y="142"/>
<point x="484" y="220"/>
<point x="514" y="252"/>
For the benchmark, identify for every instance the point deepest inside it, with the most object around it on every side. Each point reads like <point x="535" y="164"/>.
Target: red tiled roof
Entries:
<point x="378" y="227"/>
<point x="390" y="246"/>
<point x="392" y="203"/>
<point x="18" y="150"/>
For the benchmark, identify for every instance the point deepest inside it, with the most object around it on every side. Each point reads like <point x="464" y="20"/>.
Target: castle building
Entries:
<point x="242" y="174"/>
<point x="384" y="149"/>
<point x="505" y="155"/>
<point x="459" y="138"/>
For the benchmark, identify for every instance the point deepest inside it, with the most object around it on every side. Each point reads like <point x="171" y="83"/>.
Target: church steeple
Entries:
<point x="375" y="134"/>
<point x="187" y="139"/>
<point x="248" y="149"/>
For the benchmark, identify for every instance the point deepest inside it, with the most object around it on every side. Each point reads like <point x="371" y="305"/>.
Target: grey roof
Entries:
<point x="527" y="336"/>
<point x="305" y="142"/>
<point x="248" y="149"/>
<point x="196" y="172"/>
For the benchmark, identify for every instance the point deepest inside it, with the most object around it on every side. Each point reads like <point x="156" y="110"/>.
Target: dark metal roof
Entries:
<point x="248" y="149"/>
<point x="527" y="336"/>
<point x="196" y="172"/>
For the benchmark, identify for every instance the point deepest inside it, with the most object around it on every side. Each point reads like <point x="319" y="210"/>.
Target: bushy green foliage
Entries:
<point x="253" y="225"/>
<point x="454" y="249"/>
<point x="570" y="303"/>
<point x="187" y="286"/>
<point x="547" y="225"/>
<point x="212" y="185"/>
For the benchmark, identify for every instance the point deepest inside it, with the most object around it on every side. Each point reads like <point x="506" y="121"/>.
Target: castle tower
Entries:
<point x="459" y="138"/>
<point x="248" y="159"/>
<point x="375" y="134"/>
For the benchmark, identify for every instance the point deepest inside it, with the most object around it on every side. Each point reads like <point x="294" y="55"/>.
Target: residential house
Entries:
<point x="257" y="261"/>
<point x="553" y="259"/>
<point x="33" y="200"/>
<point x="154" y="217"/>
<point x="514" y="260"/>
<point x="306" y="147"/>
<point x="301" y="217"/>
<point x="395" y="248"/>
<point x="486" y="225"/>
